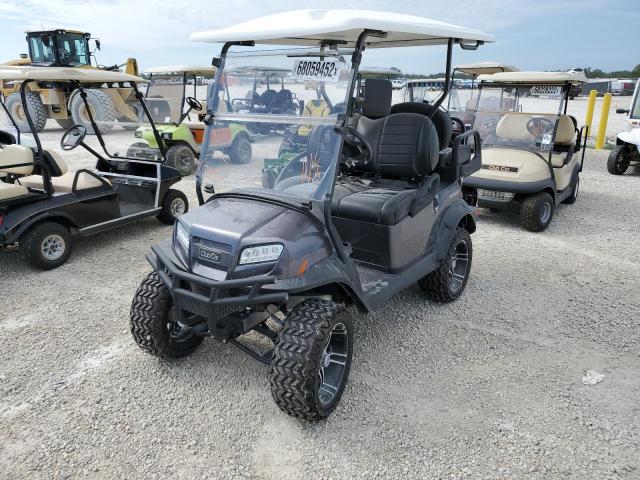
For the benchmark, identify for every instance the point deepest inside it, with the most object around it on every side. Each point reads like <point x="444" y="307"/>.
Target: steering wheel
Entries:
<point x="457" y="127"/>
<point x="73" y="137"/>
<point x="538" y="126"/>
<point x="194" y="104"/>
<point x="355" y="139"/>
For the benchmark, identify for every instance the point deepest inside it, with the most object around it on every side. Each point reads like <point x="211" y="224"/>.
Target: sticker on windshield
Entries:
<point x="546" y="142"/>
<point x="326" y="70"/>
<point x="546" y="90"/>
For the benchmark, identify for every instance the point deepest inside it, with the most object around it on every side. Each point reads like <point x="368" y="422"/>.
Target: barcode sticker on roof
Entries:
<point x="326" y="70"/>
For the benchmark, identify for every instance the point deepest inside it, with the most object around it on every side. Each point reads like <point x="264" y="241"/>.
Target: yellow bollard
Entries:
<point x="604" y="118"/>
<point x="591" y="105"/>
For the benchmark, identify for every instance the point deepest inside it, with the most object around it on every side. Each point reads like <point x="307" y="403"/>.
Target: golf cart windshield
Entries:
<point x="520" y="116"/>
<point x="273" y="128"/>
<point x="426" y="90"/>
<point x="167" y="92"/>
<point x="635" y="108"/>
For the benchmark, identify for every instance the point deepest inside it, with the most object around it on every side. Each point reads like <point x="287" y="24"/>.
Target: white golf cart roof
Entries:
<point x="310" y="27"/>
<point x="66" y="74"/>
<point x="534" y="77"/>
<point x="485" y="68"/>
<point x="193" y="69"/>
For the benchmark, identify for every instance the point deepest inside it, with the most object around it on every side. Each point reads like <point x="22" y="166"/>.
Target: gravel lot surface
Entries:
<point x="488" y="387"/>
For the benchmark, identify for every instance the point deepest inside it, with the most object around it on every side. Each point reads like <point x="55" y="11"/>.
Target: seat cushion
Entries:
<point x="384" y="206"/>
<point x="16" y="155"/>
<point x="63" y="183"/>
<point x="11" y="190"/>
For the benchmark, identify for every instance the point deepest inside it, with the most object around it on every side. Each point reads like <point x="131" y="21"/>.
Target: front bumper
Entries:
<point x="221" y="304"/>
<point x="507" y="185"/>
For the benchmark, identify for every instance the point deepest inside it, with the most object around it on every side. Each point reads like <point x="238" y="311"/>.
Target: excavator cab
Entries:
<point x="59" y="48"/>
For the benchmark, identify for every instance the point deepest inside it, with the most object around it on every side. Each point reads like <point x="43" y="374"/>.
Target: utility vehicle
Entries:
<point x="373" y="207"/>
<point x="47" y="99"/>
<point x="627" y="151"/>
<point x="182" y="130"/>
<point x="44" y="205"/>
<point x="532" y="155"/>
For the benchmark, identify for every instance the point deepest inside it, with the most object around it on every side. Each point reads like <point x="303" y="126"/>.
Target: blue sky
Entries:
<point x="533" y="35"/>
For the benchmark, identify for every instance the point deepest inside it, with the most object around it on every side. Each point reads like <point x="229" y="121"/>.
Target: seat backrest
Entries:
<point x="16" y="155"/>
<point x="406" y="147"/>
<point x="440" y="118"/>
<point x="513" y="126"/>
<point x="567" y="130"/>
<point x="316" y="108"/>
<point x="55" y="162"/>
<point x="377" y="98"/>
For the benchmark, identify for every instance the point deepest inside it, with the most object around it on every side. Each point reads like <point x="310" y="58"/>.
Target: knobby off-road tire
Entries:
<point x="45" y="246"/>
<point x="182" y="158"/>
<point x="37" y="111"/>
<point x="153" y="324"/>
<point x="447" y="283"/>
<point x="240" y="151"/>
<point x="536" y="212"/>
<point x="102" y="109"/>
<point x="174" y="204"/>
<point x="300" y="358"/>
<point x="616" y="163"/>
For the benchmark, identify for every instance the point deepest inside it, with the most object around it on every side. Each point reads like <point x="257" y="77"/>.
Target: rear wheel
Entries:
<point x="174" y="204"/>
<point x="575" y="189"/>
<point x="46" y="246"/>
<point x="447" y="283"/>
<point x="182" y="158"/>
<point x="240" y="151"/>
<point x="101" y="107"/>
<point x="312" y="359"/>
<point x="154" y="324"/>
<point x="36" y="108"/>
<point x="618" y="162"/>
<point x="537" y="211"/>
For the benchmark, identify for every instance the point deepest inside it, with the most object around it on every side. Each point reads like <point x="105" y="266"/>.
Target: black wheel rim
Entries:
<point x="459" y="266"/>
<point x="333" y="364"/>
<point x="177" y="333"/>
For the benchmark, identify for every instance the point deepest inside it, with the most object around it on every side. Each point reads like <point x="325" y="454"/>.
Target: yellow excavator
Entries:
<point x="62" y="48"/>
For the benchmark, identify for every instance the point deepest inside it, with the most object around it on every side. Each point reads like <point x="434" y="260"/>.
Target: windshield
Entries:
<point x="635" y="108"/>
<point x="428" y="90"/>
<point x="41" y="52"/>
<point x="518" y="116"/>
<point x="73" y="49"/>
<point x="164" y="97"/>
<point x="273" y="129"/>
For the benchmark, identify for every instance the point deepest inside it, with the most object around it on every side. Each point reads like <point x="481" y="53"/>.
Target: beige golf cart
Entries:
<point x="531" y="159"/>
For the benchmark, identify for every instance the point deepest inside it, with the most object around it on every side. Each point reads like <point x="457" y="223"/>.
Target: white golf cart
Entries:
<point x="531" y="161"/>
<point x="627" y="151"/>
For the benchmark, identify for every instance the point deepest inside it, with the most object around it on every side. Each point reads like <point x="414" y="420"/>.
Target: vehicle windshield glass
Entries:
<point x="73" y="49"/>
<point x="41" y="52"/>
<point x="635" y="108"/>
<point x="273" y="128"/>
<point x="518" y="116"/>
<point x="164" y="97"/>
<point x="428" y="90"/>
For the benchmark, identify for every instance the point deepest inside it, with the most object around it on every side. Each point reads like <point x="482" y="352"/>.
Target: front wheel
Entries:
<point x="240" y="151"/>
<point x="447" y="283"/>
<point x="617" y="163"/>
<point x="575" y="189"/>
<point x="537" y="211"/>
<point x="46" y="246"/>
<point x="154" y="325"/>
<point x="182" y="158"/>
<point x="174" y="204"/>
<point x="311" y="360"/>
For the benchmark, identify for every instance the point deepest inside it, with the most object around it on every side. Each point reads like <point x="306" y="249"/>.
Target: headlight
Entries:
<point x="167" y="135"/>
<point x="261" y="253"/>
<point x="182" y="236"/>
<point x="138" y="134"/>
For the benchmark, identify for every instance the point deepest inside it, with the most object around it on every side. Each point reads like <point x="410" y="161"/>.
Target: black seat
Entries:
<point x="398" y="178"/>
<point x="440" y="119"/>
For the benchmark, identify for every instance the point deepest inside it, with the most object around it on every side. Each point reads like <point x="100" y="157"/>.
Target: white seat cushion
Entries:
<point x="64" y="183"/>
<point x="10" y="190"/>
<point x="16" y="155"/>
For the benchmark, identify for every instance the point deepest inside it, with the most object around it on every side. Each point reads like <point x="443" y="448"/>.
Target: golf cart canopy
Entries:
<point x="66" y="74"/>
<point x="314" y="26"/>
<point x="555" y="78"/>
<point x="260" y="72"/>
<point x="204" y="70"/>
<point x="388" y="72"/>
<point x="485" y="68"/>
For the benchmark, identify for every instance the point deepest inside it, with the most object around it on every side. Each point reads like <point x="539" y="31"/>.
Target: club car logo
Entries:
<point x="208" y="254"/>
<point x="500" y="168"/>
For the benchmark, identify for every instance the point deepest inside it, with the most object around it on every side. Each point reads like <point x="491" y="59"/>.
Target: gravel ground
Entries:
<point x="487" y="387"/>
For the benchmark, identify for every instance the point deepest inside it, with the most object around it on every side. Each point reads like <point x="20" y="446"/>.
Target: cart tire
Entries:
<point x="301" y="363"/>
<point x="36" y="108"/>
<point x="269" y="178"/>
<point x="575" y="190"/>
<point x="616" y="163"/>
<point x="65" y="123"/>
<point x="240" y="152"/>
<point x="138" y="150"/>
<point x="103" y="110"/>
<point x="46" y="245"/>
<point x="152" y="319"/>
<point x="447" y="283"/>
<point x="182" y="158"/>
<point x="537" y="211"/>
<point x="174" y="204"/>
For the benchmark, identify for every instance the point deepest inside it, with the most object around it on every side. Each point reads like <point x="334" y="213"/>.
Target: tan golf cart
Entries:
<point x="531" y="151"/>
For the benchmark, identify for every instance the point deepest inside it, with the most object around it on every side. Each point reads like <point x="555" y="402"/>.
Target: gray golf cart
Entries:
<point x="532" y="154"/>
<point x="371" y="206"/>
<point x="627" y="151"/>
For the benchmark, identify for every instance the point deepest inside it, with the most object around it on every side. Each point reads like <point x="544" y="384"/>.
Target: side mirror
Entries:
<point x="622" y="110"/>
<point x="97" y="41"/>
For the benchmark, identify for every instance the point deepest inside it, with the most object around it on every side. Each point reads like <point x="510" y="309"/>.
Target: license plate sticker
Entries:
<point x="325" y="70"/>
